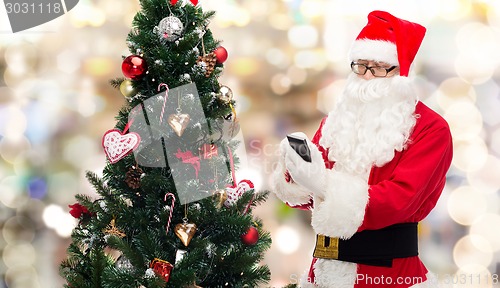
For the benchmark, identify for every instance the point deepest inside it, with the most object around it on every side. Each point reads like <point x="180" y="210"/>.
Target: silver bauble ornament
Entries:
<point x="224" y="129"/>
<point x="169" y="29"/>
<point x="149" y="273"/>
<point x="230" y="129"/>
<point x="123" y="263"/>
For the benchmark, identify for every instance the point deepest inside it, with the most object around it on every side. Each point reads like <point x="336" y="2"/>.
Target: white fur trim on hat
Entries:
<point x="343" y="209"/>
<point x="291" y="193"/>
<point x="377" y="50"/>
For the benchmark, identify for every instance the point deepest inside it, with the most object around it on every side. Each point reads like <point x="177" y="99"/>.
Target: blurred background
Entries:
<point x="287" y="64"/>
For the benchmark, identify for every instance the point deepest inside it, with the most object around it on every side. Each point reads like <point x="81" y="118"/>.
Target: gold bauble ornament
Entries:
<point x="127" y="89"/>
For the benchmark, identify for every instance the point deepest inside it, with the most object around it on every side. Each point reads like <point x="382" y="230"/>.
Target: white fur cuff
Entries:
<point x="333" y="273"/>
<point x="343" y="209"/>
<point x="291" y="193"/>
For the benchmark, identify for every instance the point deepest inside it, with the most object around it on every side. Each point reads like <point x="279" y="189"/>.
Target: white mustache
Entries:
<point x="368" y="90"/>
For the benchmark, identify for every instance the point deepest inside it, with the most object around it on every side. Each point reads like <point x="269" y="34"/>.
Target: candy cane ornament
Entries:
<point x="164" y="100"/>
<point x="171" y="210"/>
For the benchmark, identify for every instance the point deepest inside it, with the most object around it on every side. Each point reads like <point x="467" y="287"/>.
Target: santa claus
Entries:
<point x="378" y="166"/>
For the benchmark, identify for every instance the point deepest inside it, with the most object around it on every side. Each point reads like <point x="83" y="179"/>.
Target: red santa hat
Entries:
<point x="386" y="38"/>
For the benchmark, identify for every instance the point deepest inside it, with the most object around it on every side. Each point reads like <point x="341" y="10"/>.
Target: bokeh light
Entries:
<point x="465" y="204"/>
<point x="22" y="276"/>
<point x="56" y="218"/>
<point x="477" y="59"/>
<point x="19" y="254"/>
<point x="327" y="97"/>
<point x="287" y="239"/>
<point x="11" y="196"/>
<point x="303" y="36"/>
<point x="485" y="179"/>
<point x="465" y="253"/>
<point x="277" y="57"/>
<point x="13" y="123"/>
<point x="473" y="276"/>
<point x="86" y="14"/>
<point x="470" y="155"/>
<point x="454" y="90"/>
<point x="18" y="229"/>
<point x="464" y="119"/>
<point x="297" y="75"/>
<point x="454" y="9"/>
<point x="483" y="226"/>
<point x="280" y="84"/>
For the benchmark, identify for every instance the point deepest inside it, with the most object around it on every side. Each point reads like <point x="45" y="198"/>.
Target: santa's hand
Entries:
<point x="310" y="175"/>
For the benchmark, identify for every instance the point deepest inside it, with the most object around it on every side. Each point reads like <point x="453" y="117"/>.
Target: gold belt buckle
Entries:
<point x="326" y="250"/>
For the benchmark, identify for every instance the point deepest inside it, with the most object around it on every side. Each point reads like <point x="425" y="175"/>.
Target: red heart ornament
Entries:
<point x="118" y="145"/>
<point x="234" y="193"/>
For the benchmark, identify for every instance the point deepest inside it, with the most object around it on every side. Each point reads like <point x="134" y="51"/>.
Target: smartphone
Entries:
<point x="300" y="146"/>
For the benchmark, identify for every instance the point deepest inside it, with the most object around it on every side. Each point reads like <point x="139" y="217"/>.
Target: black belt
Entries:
<point x="371" y="247"/>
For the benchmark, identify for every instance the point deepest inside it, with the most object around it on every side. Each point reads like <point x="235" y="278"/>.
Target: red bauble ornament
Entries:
<point x="134" y="67"/>
<point x="250" y="237"/>
<point x="221" y="54"/>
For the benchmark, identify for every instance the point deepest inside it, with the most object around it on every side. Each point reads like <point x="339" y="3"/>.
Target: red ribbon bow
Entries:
<point x="195" y="2"/>
<point x="78" y="210"/>
<point x="188" y="158"/>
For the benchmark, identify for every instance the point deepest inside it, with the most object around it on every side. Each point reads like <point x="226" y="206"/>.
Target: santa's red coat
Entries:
<point x="404" y="190"/>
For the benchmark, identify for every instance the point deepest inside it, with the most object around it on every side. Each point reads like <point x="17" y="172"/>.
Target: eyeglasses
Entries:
<point x="361" y="69"/>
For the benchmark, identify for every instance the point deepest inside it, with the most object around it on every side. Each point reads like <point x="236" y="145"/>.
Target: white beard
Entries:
<point x="373" y="119"/>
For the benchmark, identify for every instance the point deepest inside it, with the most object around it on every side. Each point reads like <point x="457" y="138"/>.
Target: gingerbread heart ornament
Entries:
<point x="234" y="193"/>
<point x="118" y="145"/>
<point x="185" y="232"/>
<point x="178" y="122"/>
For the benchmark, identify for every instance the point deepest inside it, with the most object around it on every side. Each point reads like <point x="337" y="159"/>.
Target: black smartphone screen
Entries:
<point x="300" y="146"/>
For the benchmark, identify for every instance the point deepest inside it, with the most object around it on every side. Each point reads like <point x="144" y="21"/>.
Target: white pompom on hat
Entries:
<point x="389" y="39"/>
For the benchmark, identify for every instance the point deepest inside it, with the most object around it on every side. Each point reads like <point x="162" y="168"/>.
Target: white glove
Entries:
<point x="310" y="175"/>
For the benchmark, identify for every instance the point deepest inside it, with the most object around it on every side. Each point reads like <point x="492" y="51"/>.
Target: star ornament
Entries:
<point x="111" y="229"/>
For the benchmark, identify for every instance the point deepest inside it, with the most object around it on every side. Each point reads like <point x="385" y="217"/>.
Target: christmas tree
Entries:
<point x="169" y="211"/>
